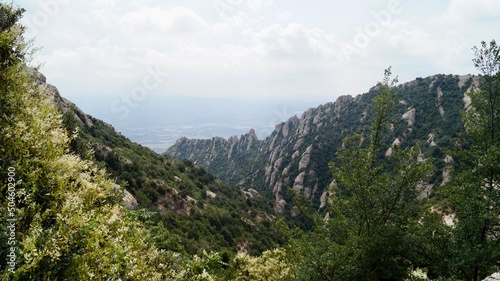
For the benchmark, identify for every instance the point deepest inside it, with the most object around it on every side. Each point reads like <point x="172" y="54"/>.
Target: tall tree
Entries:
<point x="377" y="195"/>
<point x="373" y="206"/>
<point x="475" y="192"/>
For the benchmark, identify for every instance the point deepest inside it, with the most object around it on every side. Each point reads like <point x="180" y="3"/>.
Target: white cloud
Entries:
<point x="258" y="4"/>
<point x="284" y="16"/>
<point x="96" y="51"/>
<point x="221" y="29"/>
<point x="413" y="41"/>
<point x="296" y="42"/>
<point x="464" y="11"/>
<point x="260" y="46"/>
<point x="158" y="24"/>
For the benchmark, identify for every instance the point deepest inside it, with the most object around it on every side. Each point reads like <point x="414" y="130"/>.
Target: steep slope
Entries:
<point x="188" y="208"/>
<point x="298" y="151"/>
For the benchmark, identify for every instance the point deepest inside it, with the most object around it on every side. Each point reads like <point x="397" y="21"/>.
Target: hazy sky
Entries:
<point x="109" y="56"/>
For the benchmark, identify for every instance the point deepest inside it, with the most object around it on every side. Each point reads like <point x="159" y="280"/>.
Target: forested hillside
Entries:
<point x="82" y="202"/>
<point x="194" y="209"/>
<point x="297" y="153"/>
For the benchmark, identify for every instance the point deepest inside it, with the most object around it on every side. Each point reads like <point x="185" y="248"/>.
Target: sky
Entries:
<point x="130" y="62"/>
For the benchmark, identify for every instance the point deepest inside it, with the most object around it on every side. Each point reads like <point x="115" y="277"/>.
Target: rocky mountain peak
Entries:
<point x="297" y="153"/>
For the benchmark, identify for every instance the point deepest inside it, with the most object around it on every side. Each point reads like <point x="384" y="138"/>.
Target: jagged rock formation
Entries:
<point x="297" y="153"/>
<point x="129" y="200"/>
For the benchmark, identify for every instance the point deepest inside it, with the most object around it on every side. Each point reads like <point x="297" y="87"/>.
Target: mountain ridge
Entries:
<point x="297" y="153"/>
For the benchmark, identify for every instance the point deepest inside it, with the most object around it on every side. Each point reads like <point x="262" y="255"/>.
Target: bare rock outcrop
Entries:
<point x="129" y="200"/>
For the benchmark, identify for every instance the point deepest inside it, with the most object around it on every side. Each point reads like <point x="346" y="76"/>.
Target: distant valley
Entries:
<point x="158" y="122"/>
<point x="190" y="181"/>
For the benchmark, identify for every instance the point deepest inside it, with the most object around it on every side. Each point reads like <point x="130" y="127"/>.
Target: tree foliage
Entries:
<point x="474" y="193"/>
<point x="69" y="221"/>
<point x="366" y="234"/>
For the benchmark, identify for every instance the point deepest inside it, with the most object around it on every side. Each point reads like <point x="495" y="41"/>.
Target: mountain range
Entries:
<point x="296" y="154"/>
<point x="398" y="183"/>
<point x="228" y="195"/>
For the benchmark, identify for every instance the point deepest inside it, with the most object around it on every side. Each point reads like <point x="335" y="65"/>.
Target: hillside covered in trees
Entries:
<point x="298" y="151"/>
<point x="65" y="176"/>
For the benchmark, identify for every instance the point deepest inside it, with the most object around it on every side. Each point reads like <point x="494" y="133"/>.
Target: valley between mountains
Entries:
<point x="398" y="183"/>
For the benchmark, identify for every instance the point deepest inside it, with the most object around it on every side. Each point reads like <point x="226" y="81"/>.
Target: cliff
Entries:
<point x="297" y="153"/>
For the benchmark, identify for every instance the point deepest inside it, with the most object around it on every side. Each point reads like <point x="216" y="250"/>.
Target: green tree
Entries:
<point x="474" y="193"/>
<point x="373" y="206"/>
<point x="12" y="48"/>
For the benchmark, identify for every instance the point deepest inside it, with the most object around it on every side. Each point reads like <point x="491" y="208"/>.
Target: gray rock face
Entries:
<point x="493" y="277"/>
<point x="61" y="102"/>
<point x="211" y="195"/>
<point x="283" y="159"/>
<point x="297" y="153"/>
<point x="409" y="116"/>
<point x="129" y="200"/>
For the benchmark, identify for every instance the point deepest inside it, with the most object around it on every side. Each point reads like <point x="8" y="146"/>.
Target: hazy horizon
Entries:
<point x="177" y="117"/>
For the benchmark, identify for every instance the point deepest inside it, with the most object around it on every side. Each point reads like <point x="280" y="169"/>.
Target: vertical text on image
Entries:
<point x="11" y="219"/>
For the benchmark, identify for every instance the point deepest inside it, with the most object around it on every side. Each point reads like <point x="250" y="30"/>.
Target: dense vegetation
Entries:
<point x="435" y="103"/>
<point x="63" y="216"/>
<point x="57" y="166"/>
<point x="175" y="195"/>
<point x="376" y="228"/>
